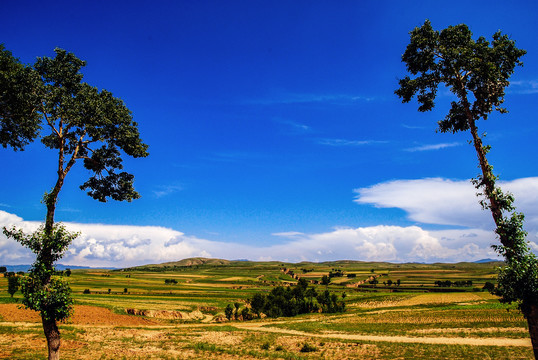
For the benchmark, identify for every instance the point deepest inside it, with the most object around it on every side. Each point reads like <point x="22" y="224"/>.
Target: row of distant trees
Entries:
<point x="458" y="283"/>
<point x="3" y="269"/>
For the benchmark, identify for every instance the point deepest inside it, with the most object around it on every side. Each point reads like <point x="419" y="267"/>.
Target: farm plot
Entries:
<point x="378" y="324"/>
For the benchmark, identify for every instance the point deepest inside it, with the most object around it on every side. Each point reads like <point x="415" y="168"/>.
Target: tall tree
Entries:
<point x="49" y="101"/>
<point x="12" y="285"/>
<point x="477" y="73"/>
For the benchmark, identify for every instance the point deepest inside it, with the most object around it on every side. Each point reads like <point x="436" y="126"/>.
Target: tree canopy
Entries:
<point x="49" y="101"/>
<point x="477" y="72"/>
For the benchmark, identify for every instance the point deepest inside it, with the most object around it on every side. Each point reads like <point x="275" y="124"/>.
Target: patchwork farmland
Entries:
<point x="177" y="311"/>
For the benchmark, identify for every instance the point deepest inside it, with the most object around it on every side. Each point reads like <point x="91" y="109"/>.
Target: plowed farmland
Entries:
<point x="138" y="314"/>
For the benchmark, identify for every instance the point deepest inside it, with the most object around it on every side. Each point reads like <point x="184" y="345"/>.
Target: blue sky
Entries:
<point x="273" y="126"/>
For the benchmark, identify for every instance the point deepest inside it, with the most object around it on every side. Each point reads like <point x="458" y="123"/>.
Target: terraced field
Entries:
<point x="185" y="320"/>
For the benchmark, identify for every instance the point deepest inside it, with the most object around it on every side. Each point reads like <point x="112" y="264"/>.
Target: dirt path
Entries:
<point x="398" y="339"/>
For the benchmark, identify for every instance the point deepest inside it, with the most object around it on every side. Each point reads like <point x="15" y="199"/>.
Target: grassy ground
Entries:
<point x="381" y="322"/>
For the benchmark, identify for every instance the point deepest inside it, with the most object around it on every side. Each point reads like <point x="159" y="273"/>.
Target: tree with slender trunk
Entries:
<point x="477" y="73"/>
<point x="49" y="101"/>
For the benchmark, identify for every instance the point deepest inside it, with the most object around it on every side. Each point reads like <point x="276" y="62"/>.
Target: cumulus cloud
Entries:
<point x="429" y="201"/>
<point x="122" y="246"/>
<point x="385" y="243"/>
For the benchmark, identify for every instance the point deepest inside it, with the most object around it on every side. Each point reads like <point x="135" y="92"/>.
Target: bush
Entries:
<point x="86" y="291"/>
<point x="308" y="348"/>
<point x="489" y="286"/>
<point x="229" y="311"/>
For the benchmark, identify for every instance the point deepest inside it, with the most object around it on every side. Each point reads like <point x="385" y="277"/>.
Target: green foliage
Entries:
<point x="53" y="300"/>
<point x="453" y="58"/>
<point x="229" y="311"/>
<point x="44" y="291"/>
<point x="292" y="301"/>
<point x="52" y="246"/>
<point x="12" y="285"/>
<point x="308" y="348"/>
<point x="336" y="273"/>
<point x="258" y="302"/>
<point x="80" y="121"/>
<point x="489" y="286"/>
<point x="457" y="283"/>
<point x="19" y="124"/>
<point x="518" y="280"/>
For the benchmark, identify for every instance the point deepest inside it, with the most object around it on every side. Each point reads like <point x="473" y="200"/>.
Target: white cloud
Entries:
<point x="288" y="234"/>
<point x="386" y="243"/>
<point x="165" y="190"/>
<point x="432" y="147"/>
<point x="344" y="142"/>
<point x="448" y="202"/>
<point x="306" y="98"/>
<point x="431" y="201"/>
<point x="294" y="125"/>
<point x="523" y="87"/>
<point x="122" y="246"/>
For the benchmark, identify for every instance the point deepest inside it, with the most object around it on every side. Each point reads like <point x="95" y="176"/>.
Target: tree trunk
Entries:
<point x="532" y="320"/>
<point x="52" y="333"/>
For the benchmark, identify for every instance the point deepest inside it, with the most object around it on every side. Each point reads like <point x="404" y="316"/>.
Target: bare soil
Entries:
<point x="83" y="315"/>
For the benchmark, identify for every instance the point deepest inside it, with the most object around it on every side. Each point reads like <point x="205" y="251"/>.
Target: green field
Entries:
<point x="185" y="318"/>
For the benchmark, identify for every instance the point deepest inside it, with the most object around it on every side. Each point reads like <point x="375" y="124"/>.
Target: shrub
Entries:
<point x="308" y="348"/>
<point x="229" y="311"/>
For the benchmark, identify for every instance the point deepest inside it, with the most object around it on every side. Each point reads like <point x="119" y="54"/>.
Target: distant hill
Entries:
<point x="189" y="262"/>
<point x="26" y="268"/>
<point x="201" y="261"/>
<point x="487" y="261"/>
